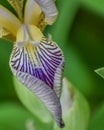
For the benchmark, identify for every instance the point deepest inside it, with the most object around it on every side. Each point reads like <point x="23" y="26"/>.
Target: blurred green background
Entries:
<point x="79" y="31"/>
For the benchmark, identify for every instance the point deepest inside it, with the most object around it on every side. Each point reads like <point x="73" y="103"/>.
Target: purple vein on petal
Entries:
<point x="47" y="54"/>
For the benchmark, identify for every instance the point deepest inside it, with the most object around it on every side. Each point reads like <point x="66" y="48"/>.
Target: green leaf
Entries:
<point x="100" y="72"/>
<point x="76" y="110"/>
<point x="97" y="120"/>
<point x="6" y="82"/>
<point x="15" y="117"/>
<point x="33" y="104"/>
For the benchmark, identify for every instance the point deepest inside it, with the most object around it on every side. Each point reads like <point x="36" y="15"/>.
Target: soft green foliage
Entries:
<point x="100" y="72"/>
<point x="97" y="120"/>
<point x="79" y="31"/>
<point x="6" y="84"/>
<point x="15" y="117"/>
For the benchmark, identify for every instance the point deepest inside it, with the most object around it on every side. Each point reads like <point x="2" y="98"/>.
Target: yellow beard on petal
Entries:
<point x="32" y="54"/>
<point x="29" y="37"/>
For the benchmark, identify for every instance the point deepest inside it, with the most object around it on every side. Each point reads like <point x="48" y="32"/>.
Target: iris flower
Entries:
<point x="36" y="61"/>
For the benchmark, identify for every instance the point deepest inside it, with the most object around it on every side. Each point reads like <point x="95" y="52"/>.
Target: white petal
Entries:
<point x="49" y="9"/>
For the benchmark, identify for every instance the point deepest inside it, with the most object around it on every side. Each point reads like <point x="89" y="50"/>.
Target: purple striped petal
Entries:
<point x="40" y="69"/>
<point x="44" y="62"/>
<point x="44" y="92"/>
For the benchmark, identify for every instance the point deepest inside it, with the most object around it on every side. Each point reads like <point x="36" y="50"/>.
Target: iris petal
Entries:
<point x="44" y="61"/>
<point x="49" y="9"/>
<point x="44" y="92"/>
<point x="34" y="15"/>
<point x="18" y="7"/>
<point x="32" y="12"/>
<point x="40" y="69"/>
<point x="9" y="21"/>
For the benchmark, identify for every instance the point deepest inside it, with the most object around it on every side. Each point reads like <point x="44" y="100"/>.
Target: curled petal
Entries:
<point x="44" y="61"/>
<point x="44" y="92"/>
<point x="49" y="9"/>
<point x="40" y="58"/>
<point x="35" y="78"/>
<point x="39" y="67"/>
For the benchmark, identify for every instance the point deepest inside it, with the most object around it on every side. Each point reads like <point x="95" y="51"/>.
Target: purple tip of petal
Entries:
<point x="62" y="125"/>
